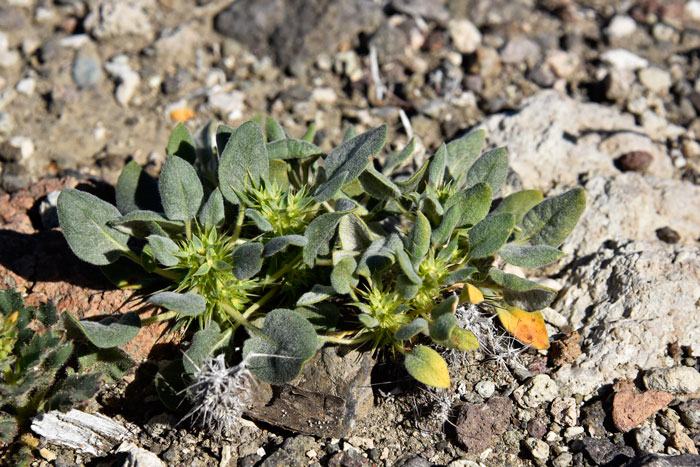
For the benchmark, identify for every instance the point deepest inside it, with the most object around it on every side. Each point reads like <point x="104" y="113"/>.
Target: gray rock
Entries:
<point x="677" y="380"/>
<point x="390" y="41"/>
<point x="426" y="9"/>
<point x="128" y="80"/>
<point x="296" y="31"/>
<point x="690" y="413"/>
<point x="540" y="389"/>
<point x="485" y="388"/>
<point x="564" y="459"/>
<point x="86" y="71"/>
<point x="624" y="59"/>
<point x="629" y="301"/>
<point x="138" y="457"/>
<point x="114" y="18"/>
<point x="10" y="18"/>
<point x="6" y="126"/>
<point x="521" y="51"/>
<point x="655" y="460"/>
<point x="564" y="411"/>
<point x="649" y="439"/>
<point x="465" y="36"/>
<point x="292" y="452"/>
<point x="14" y="177"/>
<point x="538" y="449"/>
<point x="656" y="80"/>
<point x="602" y="451"/>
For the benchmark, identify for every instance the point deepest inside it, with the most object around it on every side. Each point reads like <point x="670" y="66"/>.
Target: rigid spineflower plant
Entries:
<point x="251" y="227"/>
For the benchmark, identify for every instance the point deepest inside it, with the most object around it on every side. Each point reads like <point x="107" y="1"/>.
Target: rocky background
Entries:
<point x="603" y="94"/>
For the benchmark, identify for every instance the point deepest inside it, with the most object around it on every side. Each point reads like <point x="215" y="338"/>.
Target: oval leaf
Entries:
<point x="491" y="168"/>
<point x="109" y="332"/>
<point x="279" y="244"/>
<point x="442" y="327"/>
<point x="462" y="152"/>
<point x="164" y="250"/>
<point x="551" y="221"/>
<point x="474" y="203"/>
<point x="397" y="157"/>
<point x="408" y="331"/>
<point x="527" y="327"/>
<point x="428" y="367"/>
<point x="181" y="191"/>
<point x="529" y="256"/>
<point x="212" y="213"/>
<point x="319" y="233"/>
<point x="436" y="170"/>
<point x="243" y="159"/>
<point x="188" y="304"/>
<point x="84" y="219"/>
<point x="291" y="148"/>
<point x="489" y="235"/>
<point x="523" y="293"/>
<point x="378" y="185"/>
<point x="137" y="190"/>
<point x="471" y="294"/>
<point x="317" y="294"/>
<point x="461" y="339"/>
<point x="247" y="260"/>
<point x="291" y="342"/>
<point x="204" y="343"/>
<point x="181" y="144"/>
<point x="418" y="241"/>
<point x="342" y="276"/>
<point x="519" y="203"/>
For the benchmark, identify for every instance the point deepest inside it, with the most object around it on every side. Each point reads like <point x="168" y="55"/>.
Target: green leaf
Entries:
<point x="279" y="244"/>
<point x="323" y="316"/>
<point x="292" y="148"/>
<point x="406" y="289"/>
<point x="310" y="133"/>
<point x="474" y="203"/>
<point x="428" y="367"/>
<point x="222" y="136"/>
<point x="349" y="134"/>
<point x="112" y="363"/>
<point x="447" y="306"/>
<point x="330" y="188"/>
<point x="551" y="221"/>
<point x="395" y="159"/>
<point x="522" y="293"/>
<point x="278" y="173"/>
<point x="318" y="293"/>
<point x="110" y="331"/>
<point x="180" y="189"/>
<point x="273" y="130"/>
<point x="432" y="208"/>
<point x="368" y="321"/>
<point x="353" y="233"/>
<point x="205" y="342"/>
<point x="319" y="233"/>
<point x="379" y="255"/>
<point x="378" y="185"/>
<point x="343" y="275"/>
<point x="446" y="253"/>
<point x="491" y="168"/>
<point x="460" y="339"/>
<point x="247" y="260"/>
<point x="11" y="301"/>
<point x="519" y="204"/>
<point x="489" y="235"/>
<point x="188" y="304"/>
<point x="462" y="152"/>
<point x="291" y="342"/>
<point x="436" y="170"/>
<point x="529" y="256"/>
<point x="181" y="144"/>
<point x="84" y="219"/>
<point x="450" y="220"/>
<point x="418" y="241"/>
<point x="442" y="327"/>
<point x="415" y="183"/>
<point x="260" y="222"/>
<point x="212" y="213"/>
<point x="73" y="390"/>
<point x="410" y="330"/>
<point x="137" y="190"/>
<point x="244" y="158"/>
<point x="350" y="159"/>
<point x="46" y="314"/>
<point x="170" y="384"/>
<point x="8" y="428"/>
<point x="407" y="267"/>
<point x="164" y="250"/>
<point x="459" y="275"/>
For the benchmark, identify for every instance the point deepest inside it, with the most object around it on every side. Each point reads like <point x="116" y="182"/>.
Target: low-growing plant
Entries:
<point x="42" y="368"/>
<point x="251" y="227"/>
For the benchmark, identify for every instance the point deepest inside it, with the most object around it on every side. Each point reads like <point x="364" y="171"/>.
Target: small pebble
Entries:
<point x="692" y="8"/>
<point x="677" y="380"/>
<point x="465" y="36"/>
<point x="656" y="80"/>
<point x="621" y="26"/>
<point x="485" y="388"/>
<point x="538" y="448"/>
<point x="520" y="51"/>
<point x="26" y="86"/>
<point x="667" y="235"/>
<point x="6" y="126"/>
<point x="86" y="71"/>
<point x="536" y="428"/>
<point x="634" y="161"/>
<point x="564" y="459"/>
<point x="624" y="59"/>
<point x="540" y="389"/>
<point x="573" y="431"/>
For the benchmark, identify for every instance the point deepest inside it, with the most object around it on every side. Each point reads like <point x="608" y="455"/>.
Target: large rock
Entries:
<point x="294" y="32"/>
<point x="629" y="301"/>
<point x="553" y="141"/>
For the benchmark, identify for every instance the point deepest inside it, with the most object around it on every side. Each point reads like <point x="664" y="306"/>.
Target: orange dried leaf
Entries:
<point x="182" y="115"/>
<point x="527" y="327"/>
<point x="471" y="294"/>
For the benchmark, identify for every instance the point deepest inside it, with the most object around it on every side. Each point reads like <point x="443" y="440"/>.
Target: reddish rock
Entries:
<point x="630" y="408"/>
<point x="478" y="424"/>
<point x="634" y="161"/>
<point x="565" y="350"/>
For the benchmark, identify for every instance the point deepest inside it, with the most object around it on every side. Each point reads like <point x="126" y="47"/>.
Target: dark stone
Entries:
<point x="390" y="42"/>
<point x="655" y="460"/>
<point x="690" y="413"/>
<point x="346" y="459"/>
<point x="536" y="428"/>
<point x="14" y="177"/>
<point x="292" y="452"/>
<point x="602" y="451"/>
<point x="477" y="424"/>
<point x="637" y="161"/>
<point x="668" y="235"/>
<point x="332" y="391"/>
<point x="296" y="31"/>
<point x="413" y="461"/>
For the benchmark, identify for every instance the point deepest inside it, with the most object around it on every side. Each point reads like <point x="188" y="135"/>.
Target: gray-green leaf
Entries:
<point x="137" y="190"/>
<point x="318" y="293"/>
<point x="279" y="244"/>
<point x="84" y="219"/>
<point x="491" y="168"/>
<point x="188" y="304"/>
<point x="436" y="170"/>
<point x="247" y="260"/>
<point x="489" y="235"/>
<point x="109" y="332"/>
<point x="319" y="233"/>
<point x="378" y="185"/>
<point x="529" y="256"/>
<point x="243" y="159"/>
<point x="418" y="241"/>
<point x="212" y="213"/>
<point x="343" y="275"/>
<point x="474" y="203"/>
<point x="411" y="329"/>
<point x="260" y="222"/>
<point x="164" y="250"/>
<point x="551" y="221"/>
<point x="462" y="152"/>
<point x="522" y="293"/>
<point x="181" y="191"/>
<point x="181" y="144"/>
<point x="519" y="203"/>
<point x="291" y="148"/>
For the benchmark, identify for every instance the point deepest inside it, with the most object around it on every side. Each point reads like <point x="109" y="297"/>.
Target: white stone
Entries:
<point x="4" y="42"/>
<point x="324" y="95"/>
<point x="563" y="64"/>
<point x="465" y="36"/>
<point x="311" y="454"/>
<point x="75" y="41"/>
<point x="485" y="388"/>
<point x="621" y="26"/>
<point x="656" y="80"/>
<point x="261" y="452"/>
<point x="26" y="86"/>
<point x="24" y="144"/>
<point x="128" y="80"/>
<point x="9" y="59"/>
<point x="565" y="459"/>
<point x="678" y="380"/>
<point x="564" y="411"/>
<point x="136" y="456"/>
<point x="229" y="104"/>
<point x="624" y="59"/>
<point x="573" y="431"/>
<point x="540" y="389"/>
<point x="692" y="8"/>
<point x="538" y="448"/>
<point x="115" y="18"/>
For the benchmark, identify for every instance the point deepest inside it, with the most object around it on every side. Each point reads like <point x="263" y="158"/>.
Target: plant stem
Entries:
<point x="341" y="340"/>
<point x="158" y="318"/>
<point x="239" y="223"/>
<point x="241" y="320"/>
<point x="282" y="271"/>
<point x="260" y="303"/>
